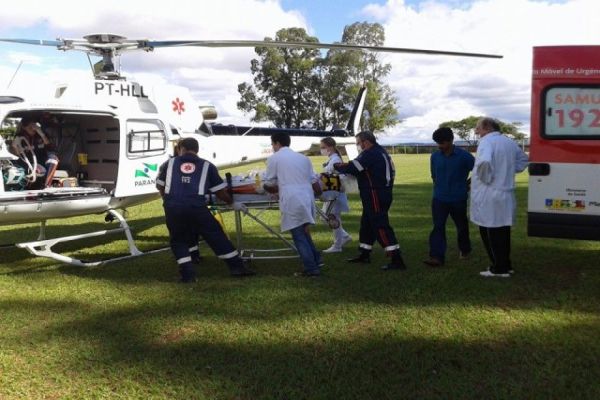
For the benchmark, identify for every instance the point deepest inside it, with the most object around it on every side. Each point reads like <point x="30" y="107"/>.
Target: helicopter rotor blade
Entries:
<point x="99" y="43"/>
<point x="316" y="45"/>
<point x="54" y="43"/>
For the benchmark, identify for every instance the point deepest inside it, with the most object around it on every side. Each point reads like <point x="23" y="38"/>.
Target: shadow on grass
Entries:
<point x="362" y="361"/>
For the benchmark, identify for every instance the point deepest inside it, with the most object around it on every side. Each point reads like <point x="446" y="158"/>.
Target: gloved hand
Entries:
<point x="237" y="206"/>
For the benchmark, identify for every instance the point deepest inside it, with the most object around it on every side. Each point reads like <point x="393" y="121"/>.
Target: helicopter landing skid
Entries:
<point x="43" y="248"/>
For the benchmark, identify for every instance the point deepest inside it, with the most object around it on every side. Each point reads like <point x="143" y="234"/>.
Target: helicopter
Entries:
<point x="113" y="133"/>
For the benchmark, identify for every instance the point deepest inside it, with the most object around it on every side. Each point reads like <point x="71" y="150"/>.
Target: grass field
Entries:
<point x="126" y="330"/>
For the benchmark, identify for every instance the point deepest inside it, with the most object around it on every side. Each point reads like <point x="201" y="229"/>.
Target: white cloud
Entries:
<point x="212" y="74"/>
<point x="16" y="58"/>
<point x="435" y="89"/>
<point x="429" y="89"/>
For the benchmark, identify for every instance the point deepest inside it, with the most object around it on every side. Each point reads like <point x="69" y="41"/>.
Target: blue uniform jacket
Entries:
<point x="373" y="168"/>
<point x="187" y="179"/>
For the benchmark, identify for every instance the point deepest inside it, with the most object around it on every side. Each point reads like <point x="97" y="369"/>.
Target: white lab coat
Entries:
<point x="294" y="174"/>
<point x="498" y="159"/>
<point x="341" y="200"/>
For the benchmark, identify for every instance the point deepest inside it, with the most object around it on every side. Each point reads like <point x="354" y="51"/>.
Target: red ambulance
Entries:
<point x="564" y="182"/>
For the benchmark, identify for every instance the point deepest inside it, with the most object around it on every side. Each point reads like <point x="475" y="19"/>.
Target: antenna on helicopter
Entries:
<point x="15" y="74"/>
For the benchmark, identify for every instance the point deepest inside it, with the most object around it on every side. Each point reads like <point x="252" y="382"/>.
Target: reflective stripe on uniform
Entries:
<point x="160" y="182"/>
<point x="229" y="255"/>
<point x="193" y="248"/>
<point x="391" y="248"/>
<point x="184" y="260"/>
<point x="203" y="178"/>
<point x="387" y="169"/>
<point x="365" y="246"/>
<point x="169" y="175"/>
<point x="357" y="165"/>
<point x="218" y="187"/>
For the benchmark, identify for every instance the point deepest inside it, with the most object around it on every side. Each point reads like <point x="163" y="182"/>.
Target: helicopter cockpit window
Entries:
<point x="145" y="137"/>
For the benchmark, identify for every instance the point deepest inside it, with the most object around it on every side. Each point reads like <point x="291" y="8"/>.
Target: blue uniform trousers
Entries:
<point x="374" y="222"/>
<point x="185" y="224"/>
<point x="440" y="210"/>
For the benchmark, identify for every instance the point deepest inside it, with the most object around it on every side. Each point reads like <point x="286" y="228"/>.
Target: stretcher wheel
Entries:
<point x="332" y="221"/>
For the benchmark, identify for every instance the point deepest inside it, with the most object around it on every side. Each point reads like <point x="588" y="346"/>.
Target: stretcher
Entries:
<point x="247" y="190"/>
<point x="257" y="205"/>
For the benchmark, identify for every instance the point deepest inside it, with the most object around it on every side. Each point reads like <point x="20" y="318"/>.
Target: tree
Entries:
<point x="296" y="87"/>
<point x="465" y="129"/>
<point x="351" y="70"/>
<point x="285" y="88"/>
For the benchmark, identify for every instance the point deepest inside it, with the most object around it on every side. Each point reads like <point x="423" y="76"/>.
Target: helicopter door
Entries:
<point x="144" y="151"/>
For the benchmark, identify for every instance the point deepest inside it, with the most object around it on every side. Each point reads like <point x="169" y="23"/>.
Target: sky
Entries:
<point x="428" y="89"/>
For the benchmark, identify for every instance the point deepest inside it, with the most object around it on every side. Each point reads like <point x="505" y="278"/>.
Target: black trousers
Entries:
<point x="497" y="245"/>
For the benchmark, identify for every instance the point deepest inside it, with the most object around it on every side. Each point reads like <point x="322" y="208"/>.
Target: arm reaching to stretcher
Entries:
<point x="273" y="189"/>
<point x="225" y="197"/>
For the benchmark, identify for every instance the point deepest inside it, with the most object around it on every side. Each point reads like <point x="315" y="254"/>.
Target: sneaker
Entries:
<point x="433" y="262"/>
<point x="306" y="274"/>
<point x="242" y="272"/>
<point x="490" y="274"/>
<point x="346" y="240"/>
<point x="361" y="258"/>
<point x="333" y="249"/>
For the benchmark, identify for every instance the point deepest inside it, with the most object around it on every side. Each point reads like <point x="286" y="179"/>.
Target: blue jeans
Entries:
<point x="306" y="249"/>
<point x="437" y="239"/>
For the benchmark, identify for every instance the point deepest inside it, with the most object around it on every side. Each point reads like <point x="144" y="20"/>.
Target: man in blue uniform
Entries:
<point x="450" y="168"/>
<point x="183" y="182"/>
<point x="374" y="171"/>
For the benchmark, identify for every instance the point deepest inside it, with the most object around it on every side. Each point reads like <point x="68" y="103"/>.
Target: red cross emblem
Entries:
<point x="178" y="106"/>
<point x="187" y="168"/>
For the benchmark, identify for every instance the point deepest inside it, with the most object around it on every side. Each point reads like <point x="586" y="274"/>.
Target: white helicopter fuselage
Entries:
<point x="112" y="136"/>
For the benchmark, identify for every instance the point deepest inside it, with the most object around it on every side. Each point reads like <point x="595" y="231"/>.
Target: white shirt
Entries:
<point x="341" y="200"/>
<point x="294" y="174"/>
<point x="498" y="159"/>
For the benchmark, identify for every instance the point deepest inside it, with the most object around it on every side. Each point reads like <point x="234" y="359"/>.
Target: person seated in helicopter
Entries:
<point x="31" y="140"/>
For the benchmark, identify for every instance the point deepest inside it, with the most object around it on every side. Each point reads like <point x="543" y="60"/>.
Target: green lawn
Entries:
<point x="127" y="330"/>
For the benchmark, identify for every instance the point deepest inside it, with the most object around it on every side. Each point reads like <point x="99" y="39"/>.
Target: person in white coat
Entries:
<point x="292" y="176"/>
<point x="493" y="203"/>
<point x="340" y="202"/>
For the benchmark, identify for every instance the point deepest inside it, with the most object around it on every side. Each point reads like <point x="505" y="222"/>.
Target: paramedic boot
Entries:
<point x="363" y="257"/>
<point x="397" y="262"/>
<point x="187" y="272"/>
<point x="238" y="268"/>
